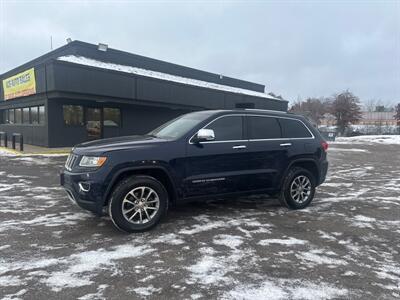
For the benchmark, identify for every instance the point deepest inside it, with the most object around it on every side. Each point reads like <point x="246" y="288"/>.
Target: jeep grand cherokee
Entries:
<point x="200" y="155"/>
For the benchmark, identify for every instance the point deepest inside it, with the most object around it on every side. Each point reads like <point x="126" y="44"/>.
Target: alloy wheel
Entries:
<point x="140" y="205"/>
<point x="300" y="189"/>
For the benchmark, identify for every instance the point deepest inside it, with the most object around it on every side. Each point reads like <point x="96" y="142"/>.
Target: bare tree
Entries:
<point x="346" y="109"/>
<point x="275" y="96"/>
<point x="370" y="105"/>
<point x="397" y="116"/>
<point x="313" y="108"/>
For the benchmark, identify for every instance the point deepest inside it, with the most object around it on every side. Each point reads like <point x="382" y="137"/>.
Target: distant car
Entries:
<point x="197" y="156"/>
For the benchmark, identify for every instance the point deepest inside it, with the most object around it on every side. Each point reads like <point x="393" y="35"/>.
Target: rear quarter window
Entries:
<point x="294" y="129"/>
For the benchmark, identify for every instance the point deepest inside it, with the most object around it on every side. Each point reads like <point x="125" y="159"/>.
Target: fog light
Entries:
<point x="84" y="186"/>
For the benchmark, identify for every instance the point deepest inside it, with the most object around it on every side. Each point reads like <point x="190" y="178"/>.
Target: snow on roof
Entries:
<point x="159" y="75"/>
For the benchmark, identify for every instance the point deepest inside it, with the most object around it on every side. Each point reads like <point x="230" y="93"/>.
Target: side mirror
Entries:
<point x="205" y="135"/>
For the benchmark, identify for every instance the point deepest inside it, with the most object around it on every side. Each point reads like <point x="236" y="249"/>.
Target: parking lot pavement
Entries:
<point x="344" y="246"/>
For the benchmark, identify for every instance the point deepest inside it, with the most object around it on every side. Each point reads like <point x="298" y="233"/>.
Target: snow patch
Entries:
<point x="379" y="139"/>
<point x="146" y="291"/>
<point x="315" y="257"/>
<point x="230" y="241"/>
<point x="10" y="281"/>
<point x="287" y="242"/>
<point x="171" y="239"/>
<point x="284" y="289"/>
<point x="348" y="150"/>
<point x="88" y="262"/>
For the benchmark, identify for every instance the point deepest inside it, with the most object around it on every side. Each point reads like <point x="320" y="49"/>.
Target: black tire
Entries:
<point x="285" y="195"/>
<point x="117" y="202"/>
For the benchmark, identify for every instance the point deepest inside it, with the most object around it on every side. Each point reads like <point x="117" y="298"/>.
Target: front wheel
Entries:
<point x="298" y="188"/>
<point x="138" y="203"/>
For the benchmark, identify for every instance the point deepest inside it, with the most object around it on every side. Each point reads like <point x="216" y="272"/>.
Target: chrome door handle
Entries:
<point x="239" y="147"/>
<point x="286" y="145"/>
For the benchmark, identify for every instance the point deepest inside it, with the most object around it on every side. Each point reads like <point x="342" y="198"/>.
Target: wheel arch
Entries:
<point x="308" y="164"/>
<point x="158" y="172"/>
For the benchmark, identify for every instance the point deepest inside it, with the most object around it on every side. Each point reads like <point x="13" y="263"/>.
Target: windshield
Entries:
<point x="180" y="126"/>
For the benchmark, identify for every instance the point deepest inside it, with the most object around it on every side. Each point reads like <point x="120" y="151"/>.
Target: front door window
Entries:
<point x="93" y="123"/>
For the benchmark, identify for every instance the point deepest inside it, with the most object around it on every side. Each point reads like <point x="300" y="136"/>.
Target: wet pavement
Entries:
<point x="345" y="245"/>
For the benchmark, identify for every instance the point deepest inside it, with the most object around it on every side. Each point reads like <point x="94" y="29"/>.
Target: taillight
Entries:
<point x="325" y="146"/>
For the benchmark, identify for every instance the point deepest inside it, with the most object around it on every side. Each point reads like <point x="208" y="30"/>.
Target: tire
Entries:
<point x="137" y="204"/>
<point x="291" y="195"/>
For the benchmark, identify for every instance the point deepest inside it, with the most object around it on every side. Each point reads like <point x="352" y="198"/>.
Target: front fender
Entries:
<point x="135" y="166"/>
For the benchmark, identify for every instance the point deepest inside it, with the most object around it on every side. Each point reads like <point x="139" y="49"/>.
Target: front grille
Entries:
<point x="71" y="160"/>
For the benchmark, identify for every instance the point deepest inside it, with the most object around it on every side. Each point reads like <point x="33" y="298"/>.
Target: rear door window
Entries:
<point x="263" y="128"/>
<point x="294" y="129"/>
<point x="227" y="128"/>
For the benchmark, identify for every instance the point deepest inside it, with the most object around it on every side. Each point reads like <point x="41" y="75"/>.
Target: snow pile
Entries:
<point x="5" y="153"/>
<point x="374" y="129"/>
<point x="159" y="75"/>
<point x="369" y="139"/>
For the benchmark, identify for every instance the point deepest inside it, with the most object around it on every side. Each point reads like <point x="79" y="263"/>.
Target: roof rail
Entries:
<point x="266" y="110"/>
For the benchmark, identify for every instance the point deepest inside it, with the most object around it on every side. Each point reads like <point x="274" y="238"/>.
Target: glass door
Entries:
<point x="93" y="123"/>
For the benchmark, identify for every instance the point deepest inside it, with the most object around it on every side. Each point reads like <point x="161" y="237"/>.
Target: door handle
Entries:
<point x="239" y="147"/>
<point x="286" y="145"/>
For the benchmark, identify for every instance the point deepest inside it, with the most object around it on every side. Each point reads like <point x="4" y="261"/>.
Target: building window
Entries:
<point x="34" y="115"/>
<point x="18" y="116"/>
<point x="3" y="116"/>
<point x="11" y="118"/>
<point x="42" y="116"/>
<point x="112" y="117"/>
<point x="73" y="115"/>
<point x="25" y="115"/>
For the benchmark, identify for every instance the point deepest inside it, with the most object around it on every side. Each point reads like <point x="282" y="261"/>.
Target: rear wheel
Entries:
<point x="138" y="203"/>
<point x="298" y="188"/>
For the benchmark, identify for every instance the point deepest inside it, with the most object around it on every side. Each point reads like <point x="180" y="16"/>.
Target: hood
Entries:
<point x="117" y="143"/>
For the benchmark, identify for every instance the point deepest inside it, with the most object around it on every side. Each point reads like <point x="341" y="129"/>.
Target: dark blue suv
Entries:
<point x="200" y="155"/>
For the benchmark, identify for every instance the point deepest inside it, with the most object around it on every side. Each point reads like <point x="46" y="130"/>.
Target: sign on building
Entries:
<point x="22" y="84"/>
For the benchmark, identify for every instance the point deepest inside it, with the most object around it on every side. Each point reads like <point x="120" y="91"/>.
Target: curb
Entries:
<point x="10" y="151"/>
<point x="18" y="153"/>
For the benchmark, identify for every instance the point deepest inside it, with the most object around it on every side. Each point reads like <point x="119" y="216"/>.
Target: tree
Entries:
<point x="371" y="104"/>
<point x="313" y="108"/>
<point x="346" y="109"/>
<point x="397" y="116"/>
<point x="275" y="96"/>
<point x="380" y="108"/>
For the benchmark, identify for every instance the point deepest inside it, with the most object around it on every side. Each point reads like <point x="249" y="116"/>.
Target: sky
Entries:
<point x="297" y="49"/>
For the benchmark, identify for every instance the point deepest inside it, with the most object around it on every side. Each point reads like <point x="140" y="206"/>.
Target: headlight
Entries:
<point x="92" y="161"/>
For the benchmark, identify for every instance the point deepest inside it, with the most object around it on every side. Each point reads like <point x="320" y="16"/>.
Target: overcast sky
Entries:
<point x="297" y="49"/>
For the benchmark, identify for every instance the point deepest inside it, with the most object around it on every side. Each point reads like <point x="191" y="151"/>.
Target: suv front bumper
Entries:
<point x="83" y="190"/>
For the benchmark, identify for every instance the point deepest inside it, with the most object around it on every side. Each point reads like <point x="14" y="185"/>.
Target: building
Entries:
<point x="82" y="91"/>
<point x="377" y="118"/>
<point x="370" y="123"/>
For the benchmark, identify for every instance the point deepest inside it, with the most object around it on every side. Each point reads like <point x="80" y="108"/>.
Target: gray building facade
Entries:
<point x="81" y="92"/>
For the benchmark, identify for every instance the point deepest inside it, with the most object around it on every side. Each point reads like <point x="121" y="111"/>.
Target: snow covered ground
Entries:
<point x="344" y="246"/>
<point x="369" y="139"/>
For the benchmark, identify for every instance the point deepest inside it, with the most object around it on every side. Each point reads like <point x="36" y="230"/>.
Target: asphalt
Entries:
<point x="344" y="246"/>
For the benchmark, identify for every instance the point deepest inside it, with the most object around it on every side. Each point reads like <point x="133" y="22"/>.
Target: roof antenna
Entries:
<point x="51" y="42"/>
